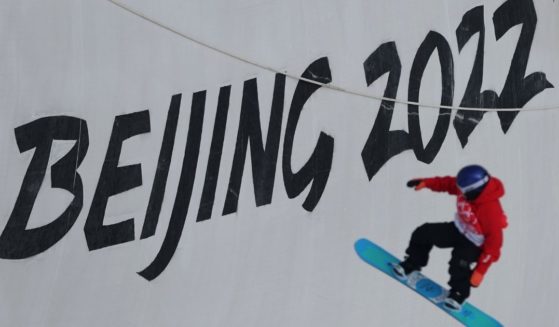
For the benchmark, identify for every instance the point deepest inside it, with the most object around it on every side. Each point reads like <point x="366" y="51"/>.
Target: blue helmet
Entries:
<point x="471" y="180"/>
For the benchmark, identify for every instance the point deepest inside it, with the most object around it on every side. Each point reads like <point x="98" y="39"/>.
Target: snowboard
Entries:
<point x="379" y="258"/>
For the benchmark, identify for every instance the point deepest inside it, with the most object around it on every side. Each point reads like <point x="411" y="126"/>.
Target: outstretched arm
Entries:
<point x="437" y="184"/>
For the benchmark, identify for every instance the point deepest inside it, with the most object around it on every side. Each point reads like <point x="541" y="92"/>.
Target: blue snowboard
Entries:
<point x="382" y="260"/>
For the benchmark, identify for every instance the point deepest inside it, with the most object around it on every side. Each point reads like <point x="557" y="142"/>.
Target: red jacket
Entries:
<point x="481" y="220"/>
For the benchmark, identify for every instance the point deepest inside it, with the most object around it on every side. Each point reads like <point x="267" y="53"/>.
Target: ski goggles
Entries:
<point x="474" y="186"/>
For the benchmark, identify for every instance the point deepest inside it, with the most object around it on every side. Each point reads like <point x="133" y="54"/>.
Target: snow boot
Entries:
<point x="402" y="270"/>
<point x="454" y="301"/>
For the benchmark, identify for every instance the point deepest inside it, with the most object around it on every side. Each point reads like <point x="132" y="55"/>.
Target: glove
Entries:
<point x="476" y="278"/>
<point x="417" y="184"/>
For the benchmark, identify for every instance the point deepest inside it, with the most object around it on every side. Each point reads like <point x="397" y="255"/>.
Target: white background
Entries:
<point x="275" y="265"/>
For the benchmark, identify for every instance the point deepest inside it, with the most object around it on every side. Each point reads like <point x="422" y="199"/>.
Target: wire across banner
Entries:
<point x="328" y="86"/>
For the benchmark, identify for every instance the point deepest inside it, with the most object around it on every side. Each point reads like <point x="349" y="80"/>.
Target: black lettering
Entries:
<point x="263" y="160"/>
<point x="518" y="89"/>
<point x="317" y="169"/>
<point x="115" y="180"/>
<point x="214" y="160"/>
<point x="465" y="121"/>
<point x="162" y="172"/>
<point x="383" y="143"/>
<point x="433" y="41"/>
<point x="17" y="242"/>
<point x="184" y="190"/>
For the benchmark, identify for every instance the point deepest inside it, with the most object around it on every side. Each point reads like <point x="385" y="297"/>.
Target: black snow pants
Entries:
<point x="445" y="235"/>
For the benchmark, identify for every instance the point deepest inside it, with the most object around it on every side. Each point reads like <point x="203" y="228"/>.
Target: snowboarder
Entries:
<point x="475" y="235"/>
